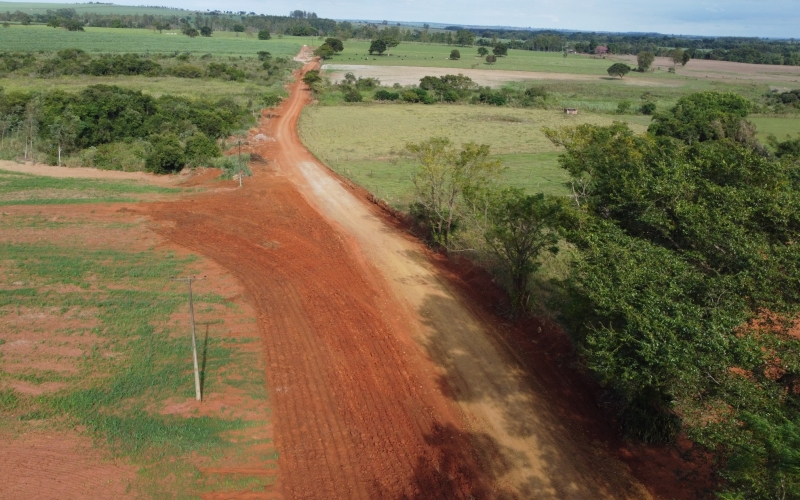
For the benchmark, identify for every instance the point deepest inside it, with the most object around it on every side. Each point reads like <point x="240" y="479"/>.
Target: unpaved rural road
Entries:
<point x="386" y="381"/>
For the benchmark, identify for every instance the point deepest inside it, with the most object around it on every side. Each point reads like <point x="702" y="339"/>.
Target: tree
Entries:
<point x="206" y="31"/>
<point x="441" y="178"/>
<point x="619" y="69"/>
<point x="645" y="60"/>
<point x="455" y="55"/>
<point x="264" y="34"/>
<point x="324" y="51"/>
<point x="685" y="58"/>
<point x="238" y="28"/>
<point x="465" y="38"/>
<point x="335" y="44"/>
<point x="491" y="59"/>
<point x="482" y="51"/>
<point x="682" y="294"/>
<point x="64" y="132"/>
<point x="706" y="116"/>
<point x="263" y="55"/>
<point x="311" y="77"/>
<point x="676" y="55"/>
<point x="500" y="50"/>
<point x="519" y="230"/>
<point x="378" y="46"/>
<point x="72" y="25"/>
<point x="189" y="31"/>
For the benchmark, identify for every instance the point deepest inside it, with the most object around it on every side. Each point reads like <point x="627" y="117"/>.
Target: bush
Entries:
<point x="624" y="107"/>
<point x="264" y="35"/>
<point x="200" y="149"/>
<point x="648" y="108"/>
<point x="166" y="156"/>
<point x="455" y="55"/>
<point x="352" y="95"/>
<point x="187" y="71"/>
<point x="385" y="95"/>
<point x="491" y="97"/>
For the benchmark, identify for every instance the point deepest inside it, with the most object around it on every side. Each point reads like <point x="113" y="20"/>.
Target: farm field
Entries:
<point x="95" y="8"/>
<point x="370" y="139"/>
<point x="141" y="41"/>
<point x="241" y="92"/>
<point x="96" y="385"/>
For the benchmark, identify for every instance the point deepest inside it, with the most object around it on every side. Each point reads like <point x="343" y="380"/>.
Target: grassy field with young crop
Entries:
<point x="94" y="342"/>
<point x="366" y="142"/>
<point x="141" y="41"/>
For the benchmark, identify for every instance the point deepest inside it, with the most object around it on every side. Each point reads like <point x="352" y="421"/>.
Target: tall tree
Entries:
<point x="519" y="230"/>
<point x="645" y="59"/>
<point x="442" y="175"/>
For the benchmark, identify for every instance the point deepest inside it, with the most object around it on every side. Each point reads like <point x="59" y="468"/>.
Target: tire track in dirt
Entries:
<point x="353" y="419"/>
<point x="386" y="382"/>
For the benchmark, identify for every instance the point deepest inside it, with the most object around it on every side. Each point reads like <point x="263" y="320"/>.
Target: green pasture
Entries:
<point x="241" y="92"/>
<point x="367" y="143"/>
<point x="140" y="41"/>
<point x="98" y="8"/>
<point x="24" y="189"/>
<point x="438" y="55"/>
<point x="780" y="127"/>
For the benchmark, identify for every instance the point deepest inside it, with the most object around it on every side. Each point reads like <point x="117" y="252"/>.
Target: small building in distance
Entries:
<point x="600" y="50"/>
<point x="570" y="111"/>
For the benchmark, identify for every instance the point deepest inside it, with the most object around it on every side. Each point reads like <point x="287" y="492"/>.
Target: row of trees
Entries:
<point x="683" y="297"/>
<point x="58" y="123"/>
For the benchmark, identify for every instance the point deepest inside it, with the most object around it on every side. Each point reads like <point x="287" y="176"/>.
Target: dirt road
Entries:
<point x="387" y="382"/>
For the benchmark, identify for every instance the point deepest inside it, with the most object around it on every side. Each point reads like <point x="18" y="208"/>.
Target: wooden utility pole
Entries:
<point x="188" y="281"/>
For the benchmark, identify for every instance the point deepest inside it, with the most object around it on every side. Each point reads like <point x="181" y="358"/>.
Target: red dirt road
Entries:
<point x="386" y="382"/>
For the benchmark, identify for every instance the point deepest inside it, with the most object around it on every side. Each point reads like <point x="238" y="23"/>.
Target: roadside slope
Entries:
<point x="523" y="445"/>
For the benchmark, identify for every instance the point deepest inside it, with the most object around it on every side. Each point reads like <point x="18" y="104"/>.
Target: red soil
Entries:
<point x="59" y="466"/>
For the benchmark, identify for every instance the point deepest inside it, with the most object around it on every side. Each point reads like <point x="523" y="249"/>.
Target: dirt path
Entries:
<point x="386" y="381"/>
<point x="90" y="173"/>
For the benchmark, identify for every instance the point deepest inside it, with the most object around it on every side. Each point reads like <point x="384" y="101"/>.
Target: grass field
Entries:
<point x="437" y="55"/>
<point x="111" y="40"/>
<point x="24" y="189"/>
<point x="369" y="140"/>
<point x="241" y="92"/>
<point x="780" y="127"/>
<point x="94" y="341"/>
<point x="98" y="8"/>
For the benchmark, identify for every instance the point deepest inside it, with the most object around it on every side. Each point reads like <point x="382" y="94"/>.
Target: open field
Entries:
<point x="437" y="55"/>
<point x="94" y="8"/>
<point x="241" y="92"/>
<point x="368" y="146"/>
<point x="94" y="350"/>
<point x="140" y="41"/>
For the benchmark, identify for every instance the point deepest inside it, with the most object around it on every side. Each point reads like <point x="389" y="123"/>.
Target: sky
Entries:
<point x="761" y="18"/>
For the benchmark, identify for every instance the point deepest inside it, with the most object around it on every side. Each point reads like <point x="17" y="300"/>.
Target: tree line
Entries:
<point x="683" y="297"/>
<point x="162" y="134"/>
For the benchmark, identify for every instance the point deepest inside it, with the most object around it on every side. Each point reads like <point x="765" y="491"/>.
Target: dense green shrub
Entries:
<point x="166" y="156"/>
<point x="386" y="95"/>
<point x="488" y="96"/>
<point x="200" y="149"/>
<point x="353" y="95"/>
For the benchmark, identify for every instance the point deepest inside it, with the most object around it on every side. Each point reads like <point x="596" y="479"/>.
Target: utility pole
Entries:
<point x="241" y="170"/>
<point x="188" y="281"/>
